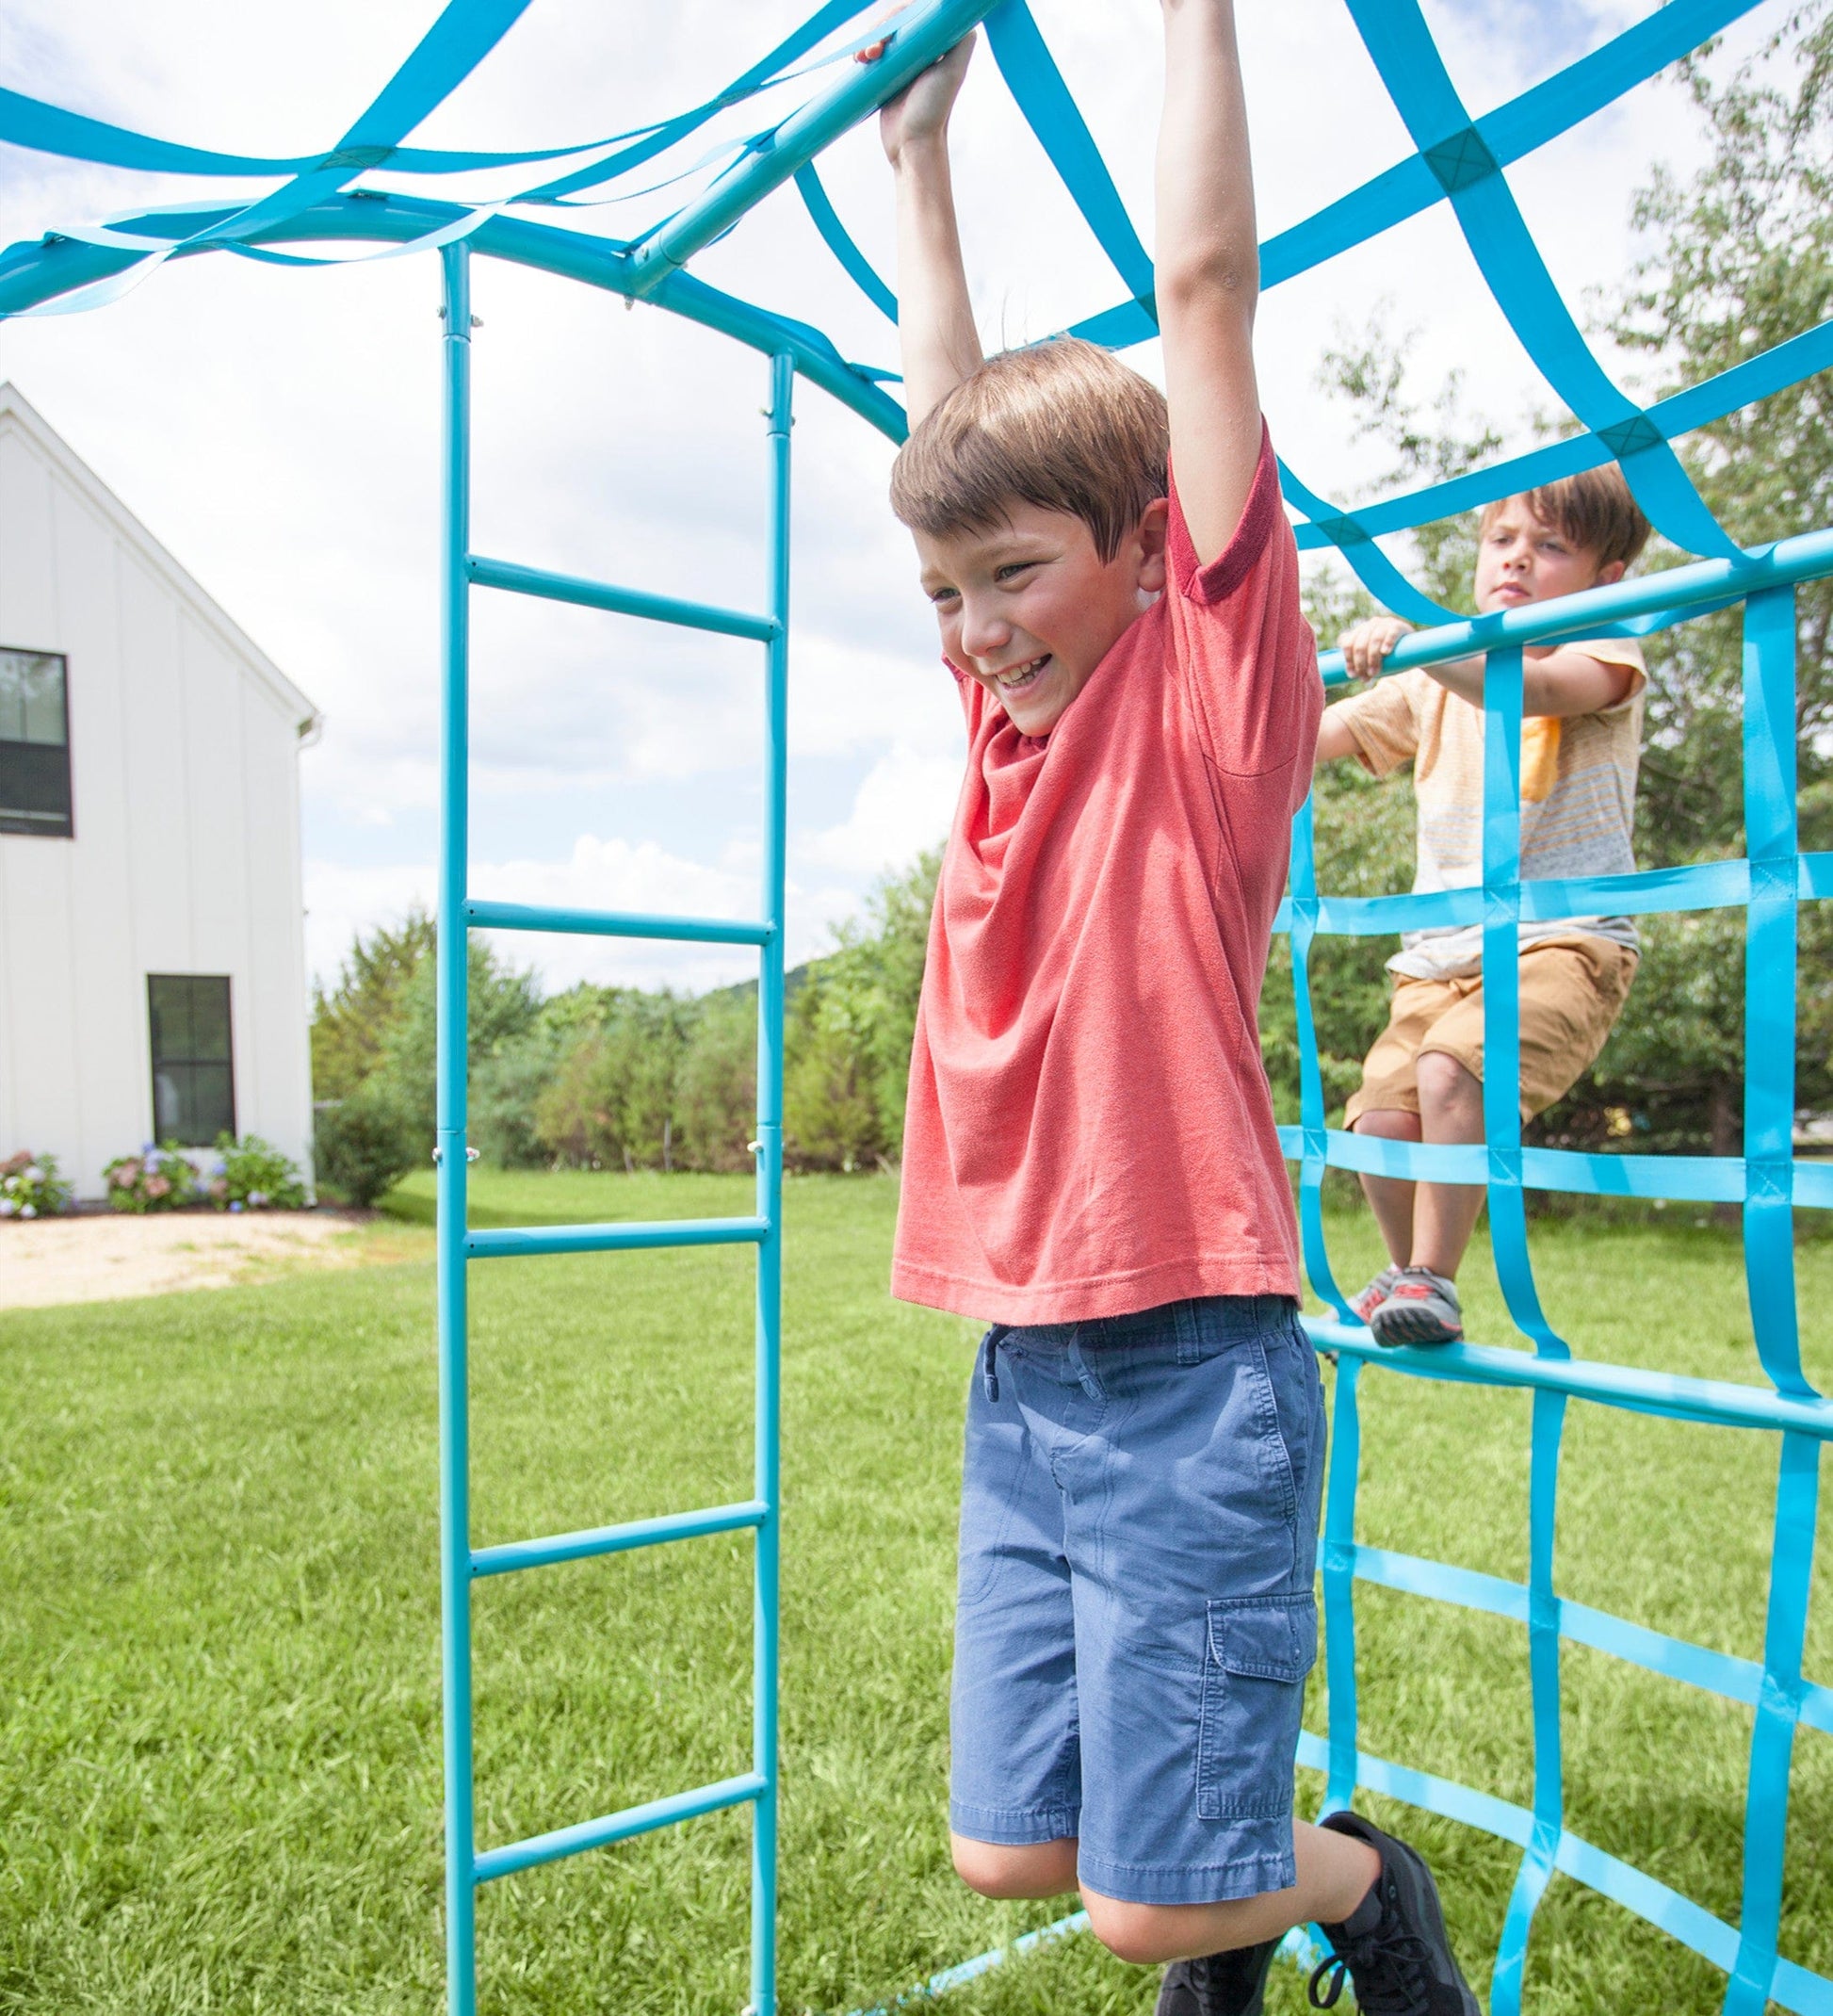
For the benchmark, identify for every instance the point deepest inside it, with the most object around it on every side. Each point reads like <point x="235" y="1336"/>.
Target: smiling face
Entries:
<point x="1523" y="558"/>
<point x="1030" y="608"/>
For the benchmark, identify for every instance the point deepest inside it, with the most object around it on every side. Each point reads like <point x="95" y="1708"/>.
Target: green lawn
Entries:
<point x="218" y="1751"/>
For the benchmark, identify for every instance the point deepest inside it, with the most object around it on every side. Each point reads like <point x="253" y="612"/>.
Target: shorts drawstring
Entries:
<point x="994" y="1336"/>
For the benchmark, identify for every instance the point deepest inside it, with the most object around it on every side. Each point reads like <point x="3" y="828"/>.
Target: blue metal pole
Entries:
<point x="928" y="34"/>
<point x="450" y="976"/>
<point x="767" y="1470"/>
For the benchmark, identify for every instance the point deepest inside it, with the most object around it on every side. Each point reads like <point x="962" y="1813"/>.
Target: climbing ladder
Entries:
<point x="460" y="1563"/>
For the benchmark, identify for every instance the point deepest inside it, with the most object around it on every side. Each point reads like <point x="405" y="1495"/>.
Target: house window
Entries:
<point x="34" y="744"/>
<point x="193" y="1076"/>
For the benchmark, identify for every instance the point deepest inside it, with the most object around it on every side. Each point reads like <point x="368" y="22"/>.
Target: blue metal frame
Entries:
<point x="460" y="1563"/>
<point x="1456" y="160"/>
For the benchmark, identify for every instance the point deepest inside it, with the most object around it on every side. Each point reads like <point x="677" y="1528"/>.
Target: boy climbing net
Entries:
<point x="1091" y="1160"/>
<point x="1581" y="738"/>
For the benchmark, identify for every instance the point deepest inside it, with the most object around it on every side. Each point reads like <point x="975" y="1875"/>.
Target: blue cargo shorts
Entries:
<point x="1136" y="1611"/>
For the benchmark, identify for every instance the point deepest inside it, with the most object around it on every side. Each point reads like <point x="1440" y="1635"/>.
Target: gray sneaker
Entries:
<point x="1377" y="1291"/>
<point x="1421" y="1307"/>
<point x="1218" y="1984"/>
<point x="1392" y="1949"/>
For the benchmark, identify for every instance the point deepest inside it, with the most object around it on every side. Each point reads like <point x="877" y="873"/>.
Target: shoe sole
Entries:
<point x="1411" y="1329"/>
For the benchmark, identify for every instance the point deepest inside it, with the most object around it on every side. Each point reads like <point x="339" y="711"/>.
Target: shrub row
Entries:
<point x="246" y="1175"/>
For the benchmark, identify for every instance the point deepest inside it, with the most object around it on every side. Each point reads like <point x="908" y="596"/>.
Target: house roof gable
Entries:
<point x="16" y="412"/>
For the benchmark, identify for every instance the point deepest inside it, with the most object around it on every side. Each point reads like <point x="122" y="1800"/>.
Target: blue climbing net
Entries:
<point x="320" y="198"/>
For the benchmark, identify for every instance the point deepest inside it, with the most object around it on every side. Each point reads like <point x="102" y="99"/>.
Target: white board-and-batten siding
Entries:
<point x="184" y="745"/>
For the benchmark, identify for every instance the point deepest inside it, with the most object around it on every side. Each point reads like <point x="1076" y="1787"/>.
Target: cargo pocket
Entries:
<point x="1258" y="1651"/>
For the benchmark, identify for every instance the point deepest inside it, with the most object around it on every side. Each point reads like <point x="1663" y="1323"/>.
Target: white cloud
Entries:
<point x="903" y="804"/>
<point x="597" y="875"/>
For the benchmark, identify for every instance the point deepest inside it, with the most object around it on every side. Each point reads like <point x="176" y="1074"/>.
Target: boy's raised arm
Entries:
<point x="937" y="335"/>
<point x="1208" y="272"/>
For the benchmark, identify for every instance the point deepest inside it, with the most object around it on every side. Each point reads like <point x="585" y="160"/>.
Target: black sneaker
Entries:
<point x="1218" y="1984"/>
<point x="1392" y="1949"/>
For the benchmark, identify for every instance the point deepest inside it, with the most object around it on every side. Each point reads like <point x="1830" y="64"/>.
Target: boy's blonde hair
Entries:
<point x="1594" y="510"/>
<point x="1064" y="426"/>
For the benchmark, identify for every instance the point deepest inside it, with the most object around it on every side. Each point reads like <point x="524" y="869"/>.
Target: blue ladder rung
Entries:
<point x="505" y="1241"/>
<point x="574" y="587"/>
<point x="592" y="1540"/>
<point x="615" y="923"/>
<point x="633" y="1820"/>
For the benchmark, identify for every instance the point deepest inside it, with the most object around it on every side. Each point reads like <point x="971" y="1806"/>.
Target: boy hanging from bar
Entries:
<point x="1091" y="1160"/>
<point x="1580" y="739"/>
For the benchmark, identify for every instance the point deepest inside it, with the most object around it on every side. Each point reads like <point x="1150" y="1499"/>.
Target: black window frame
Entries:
<point x="49" y="760"/>
<point x="190" y="1067"/>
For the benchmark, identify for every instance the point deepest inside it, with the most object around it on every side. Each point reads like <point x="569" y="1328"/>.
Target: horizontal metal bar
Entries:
<point x="517" y="580"/>
<point x="1699" y="886"/>
<point x="633" y="1820"/>
<point x="928" y="32"/>
<point x="594" y="1540"/>
<point x="1803" y="557"/>
<point x="1684" y="1178"/>
<point x="1715" y="1401"/>
<point x="616" y="924"/>
<point x="1694" y="1666"/>
<point x="512" y="1240"/>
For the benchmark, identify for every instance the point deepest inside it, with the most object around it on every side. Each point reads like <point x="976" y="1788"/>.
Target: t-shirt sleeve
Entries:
<point x="1241" y="641"/>
<point x="1617" y="651"/>
<point x="1384" y="723"/>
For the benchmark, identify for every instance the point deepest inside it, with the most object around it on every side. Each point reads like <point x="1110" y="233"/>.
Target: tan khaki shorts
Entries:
<point x="1572" y="992"/>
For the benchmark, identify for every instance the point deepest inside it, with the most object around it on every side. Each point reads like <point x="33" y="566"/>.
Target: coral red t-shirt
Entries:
<point x="1090" y="1129"/>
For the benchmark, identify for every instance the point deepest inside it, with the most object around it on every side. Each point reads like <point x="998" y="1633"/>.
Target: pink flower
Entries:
<point x="158" y="1186"/>
<point x="125" y="1175"/>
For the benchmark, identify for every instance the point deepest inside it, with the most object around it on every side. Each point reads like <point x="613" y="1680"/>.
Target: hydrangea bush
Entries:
<point x="253" y="1175"/>
<point x="30" y="1186"/>
<point x="246" y="1175"/>
<point x="159" y="1178"/>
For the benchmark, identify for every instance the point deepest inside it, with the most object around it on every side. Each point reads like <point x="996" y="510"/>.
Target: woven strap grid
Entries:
<point x="1460" y="161"/>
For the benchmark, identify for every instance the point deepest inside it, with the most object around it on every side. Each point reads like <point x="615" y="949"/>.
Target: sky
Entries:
<point x="278" y="429"/>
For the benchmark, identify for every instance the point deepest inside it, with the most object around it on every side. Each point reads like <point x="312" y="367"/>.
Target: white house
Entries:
<point x="152" y="977"/>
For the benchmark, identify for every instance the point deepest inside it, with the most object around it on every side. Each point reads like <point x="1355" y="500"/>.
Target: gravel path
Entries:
<point x="96" y="1258"/>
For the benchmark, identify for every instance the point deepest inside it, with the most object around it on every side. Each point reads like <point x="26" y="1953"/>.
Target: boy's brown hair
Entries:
<point x="1594" y="510"/>
<point x="1064" y="426"/>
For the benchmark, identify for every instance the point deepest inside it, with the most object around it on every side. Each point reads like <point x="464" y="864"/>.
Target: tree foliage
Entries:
<point x="350" y="1023"/>
<point x="620" y="1077"/>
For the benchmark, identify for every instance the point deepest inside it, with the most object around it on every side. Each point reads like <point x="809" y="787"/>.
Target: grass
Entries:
<point x="218" y="1758"/>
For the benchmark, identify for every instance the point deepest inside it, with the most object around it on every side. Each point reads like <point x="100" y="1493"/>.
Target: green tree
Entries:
<point x="715" y="1084"/>
<point x="352" y="1023"/>
<point x="1428" y="446"/>
<point x="851" y="1028"/>
<point x="378" y="1035"/>
<point x="611" y="1102"/>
